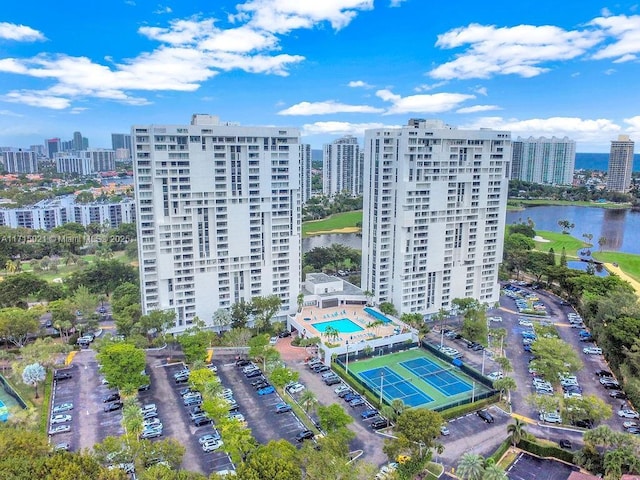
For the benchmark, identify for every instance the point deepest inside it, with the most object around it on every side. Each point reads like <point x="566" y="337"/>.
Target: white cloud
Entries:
<point x="19" y="33"/>
<point x="481" y="91"/>
<point x="426" y="87"/>
<point x="605" y="12"/>
<point x="436" y="103"/>
<point x="282" y="16"/>
<point x="581" y="130"/>
<point x="326" y="108"/>
<point x="77" y="110"/>
<point x="9" y="113"/>
<point x="478" y="108"/>
<point x="396" y="3"/>
<point x="359" y="84"/>
<point x="626" y="34"/>
<point x="340" y="128"/>
<point x="610" y="71"/>
<point x="519" y="50"/>
<point x="162" y="10"/>
<point x="191" y="51"/>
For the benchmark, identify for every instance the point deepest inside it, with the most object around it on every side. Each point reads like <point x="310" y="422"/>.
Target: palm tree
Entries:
<point x="398" y="406"/>
<point x="505" y="364"/>
<point x="470" y="467"/>
<point x="300" y="299"/>
<point x="516" y="431"/>
<point x="389" y="413"/>
<point x="602" y="241"/>
<point x="331" y="333"/>
<point x="308" y="401"/>
<point x="505" y="385"/>
<point x="494" y="472"/>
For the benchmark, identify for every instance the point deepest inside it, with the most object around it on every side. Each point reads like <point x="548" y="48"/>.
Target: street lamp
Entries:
<point x="484" y="351"/>
<point x="381" y="380"/>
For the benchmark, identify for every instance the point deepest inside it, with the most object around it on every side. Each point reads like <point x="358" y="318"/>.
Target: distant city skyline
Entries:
<point x="327" y="68"/>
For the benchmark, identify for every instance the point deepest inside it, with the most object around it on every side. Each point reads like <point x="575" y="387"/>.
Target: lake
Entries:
<point x="619" y="227"/>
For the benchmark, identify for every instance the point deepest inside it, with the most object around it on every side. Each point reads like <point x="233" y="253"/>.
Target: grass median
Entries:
<point x="346" y="222"/>
<point x="297" y="409"/>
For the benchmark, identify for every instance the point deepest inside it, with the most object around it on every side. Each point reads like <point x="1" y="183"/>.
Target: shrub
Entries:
<point x="546" y="450"/>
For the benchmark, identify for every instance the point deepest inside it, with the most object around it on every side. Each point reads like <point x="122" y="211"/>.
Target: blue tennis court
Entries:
<point x="393" y="386"/>
<point x="445" y="381"/>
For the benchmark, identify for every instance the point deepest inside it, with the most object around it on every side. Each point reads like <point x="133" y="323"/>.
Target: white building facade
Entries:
<point x="68" y="163"/>
<point x="342" y="167"/>
<point x="620" y="164"/>
<point x="305" y="172"/>
<point x="51" y="213"/>
<point x="20" y="161"/>
<point x="434" y="214"/>
<point x="544" y="160"/>
<point x="219" y="216"/>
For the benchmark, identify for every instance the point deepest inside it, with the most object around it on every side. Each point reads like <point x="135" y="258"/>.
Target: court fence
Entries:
<point x="362" y="387"/>
<point x="375" y="352"/>
<point x="10" y="391"/>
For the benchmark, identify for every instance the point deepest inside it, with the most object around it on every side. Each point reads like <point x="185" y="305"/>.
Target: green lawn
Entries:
<point x="334" y="222"/>
<point x="628" y="262"/>
<point x="392" y="361"/>
<point x="559" y="240"/>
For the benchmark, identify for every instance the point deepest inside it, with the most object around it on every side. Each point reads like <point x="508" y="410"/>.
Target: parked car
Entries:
<point x="212" y="445"/>
<point x="112" y="407"/>
<point x="151" y="434"/>
<point x="485" y="415"/>
<point x="266" y="390"/>
<point x="378" y="424"/>
<point x="304" y="435"/>
<point x="332" y="380"/>
<point x="565" y="443"/>
<point x="495" y="376"/>
<point x="62" y="376"/>
<point x="604" y="373"/>
<point x="112" y="397"/>
<point x="284" y="334"/>
<point x="209" y="437"/>
<point x="321" y="368"/>
<point x="370" y="413"/>
<point x="295" y="388"/>
<point x="628" y="413"/>
<point x="444" y="430"/>
<point x="253" y="373"/>
<point x="201" y="421"/>
<point x="344" y="393"/>
<point x="342" y="388"/>
<point x="586" y="423"/>
<point x="55" y="419"/>
<point x="592" y="350"/>
<point x="630" y="424"/>
<point x="62" y="447"/>
<point x="550" y="417"/>
<point x="59" y="429"/>
<point x="283" y="407"/>
<point x="356" y="402"/>
<point x="63" y="407"/>
<point x="242" y="362"/>
<point x="273" y="340"/>
<point x="618" y="394"/>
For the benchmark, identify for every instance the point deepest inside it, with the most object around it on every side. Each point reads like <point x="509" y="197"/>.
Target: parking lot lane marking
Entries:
<point x="524" y="419"/>
<point x="70" y="356"/>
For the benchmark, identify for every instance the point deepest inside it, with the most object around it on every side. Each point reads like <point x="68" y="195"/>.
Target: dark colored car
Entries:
<point x="258" y="381"/>
<point x="477" y="347"/>
<point x="583" y="423"/>
<point x="201" y="421"/>
<point x="634" y="430"/>
<point x="564" y="443"/>
<point x="242" y="363"/>
<point x="332" y="380"/>
<point x="62" y="376"/>
<point x="372" y="412"/>
<point x="183" y="379"/>
<point x="253" y="373"/>
<point x="378" y="424"/>
<point x="618" y="394"/>
<point x="113" y="406"/>
<point x="112" y="397"/>
<point x="283" y="407"/>
<point x="144" y="388"/>
<point x="304" y="435"/>
<point x="284" y="334"/>
<point x="485" y="415"/>
<point x="604" y="373"/>
<point x="321" y="368"/>
<point x="345" y="393"/>
<point x="262" y="384"/>
<point x="611" y="386"/>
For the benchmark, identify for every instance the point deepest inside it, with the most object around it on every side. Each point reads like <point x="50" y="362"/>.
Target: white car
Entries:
<point x="550" y="417"/>
<point x="627" y="413"/>
<point x="386" y="470"/>
<point x="572" y="395"/>
<point x="211" y="446"/>
<point x="273" y="340"/>
<point x="60" y="419"/>
<point x="525" y="323"/>
<point x="342" y="388"/>
<point x="495" y="319"/>
<point x="59" y="429"/>
<point x="63" y="407"/>
<point x="592" y="350"/>
<point x="495" y="376"/>
<point x="630" y="424"/>
<point x="296" y="388"/>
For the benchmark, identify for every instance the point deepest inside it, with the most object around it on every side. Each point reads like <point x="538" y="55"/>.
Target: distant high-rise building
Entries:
<point x="53" y="146"/>
<point x="103" y="160"/>
<point x="218" y="216"/>
<point x="38" y="149"/>
<point x="86" y="162"/>
<point x="19" y="161"/>
<point x="544" y="160"/>
<point x="78" y="144"/>
<point x="434" y="214"/>
<point x="305" y="172"/>
<point x="620" y="164"/>
<point x="341" y="167"/>
<point x="120" y="140"/>
<point x="67" y="146"/>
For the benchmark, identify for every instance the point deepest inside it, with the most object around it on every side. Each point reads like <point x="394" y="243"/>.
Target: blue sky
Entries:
<point x="329" y="67"/>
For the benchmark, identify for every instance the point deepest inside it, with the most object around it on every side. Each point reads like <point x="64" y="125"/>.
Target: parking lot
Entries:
<point x="164" y="392"/>
<point x="528" y="467"/>
<point x="89" y="424"/>
<point x="259" y="410"/>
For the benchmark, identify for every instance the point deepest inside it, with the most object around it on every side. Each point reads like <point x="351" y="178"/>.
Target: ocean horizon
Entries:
<point x="600" y="161"/>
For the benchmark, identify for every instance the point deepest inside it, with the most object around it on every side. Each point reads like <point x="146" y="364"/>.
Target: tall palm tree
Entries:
<point x="516" y="431"/>
<point x="505" y="385"/>
<point x="388" y="412"/>
<point x="398" y="406"/>
<point x="494" y="471"/>
<point x="308" y="401"/>
<point x="470" y="467"/>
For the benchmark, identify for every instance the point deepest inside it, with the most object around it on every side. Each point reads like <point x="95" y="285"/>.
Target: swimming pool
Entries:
<point x="343" y="325"/>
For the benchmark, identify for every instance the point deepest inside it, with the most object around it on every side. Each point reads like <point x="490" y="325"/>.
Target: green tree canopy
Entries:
<point x="275" y="460"/>
<point x="122" y="365"/>
<point x="333" y="417"/>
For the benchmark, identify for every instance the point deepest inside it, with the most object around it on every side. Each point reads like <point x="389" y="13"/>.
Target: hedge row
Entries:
<point x="349" y="380"/>
<point x="460" y="410"/>
<point x="500" y="451"/>
<point x="546" y="450"/>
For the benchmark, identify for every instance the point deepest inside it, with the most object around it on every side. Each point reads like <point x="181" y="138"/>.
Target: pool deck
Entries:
<point x="310" y="315"/>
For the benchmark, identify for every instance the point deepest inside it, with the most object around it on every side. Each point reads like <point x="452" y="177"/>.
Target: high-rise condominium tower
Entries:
<point x="305" y="172"/>
<point x="218" y="216"/>
<point x="544" y="160"/>
<point x="342" y="167"/>
<point x="434" y="214"/>
<point x="620" y="164"/>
